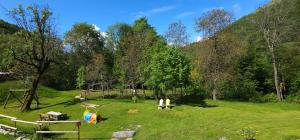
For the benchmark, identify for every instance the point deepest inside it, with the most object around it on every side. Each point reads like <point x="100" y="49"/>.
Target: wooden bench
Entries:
<point x="78" y="123"/>
<point x="9" y="128"/>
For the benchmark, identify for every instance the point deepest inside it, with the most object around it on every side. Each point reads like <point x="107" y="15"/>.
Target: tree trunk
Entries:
<point x="275" y="70"/>
<point x="144" y="91"/>
<point x="29" y="97"/>
<point x="215" y="91"/>
<point x="181" y="91"/>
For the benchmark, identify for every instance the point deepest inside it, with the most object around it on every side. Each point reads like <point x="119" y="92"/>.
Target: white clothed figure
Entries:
<point x="161" y="103"/>
<point x="168" y="103"/>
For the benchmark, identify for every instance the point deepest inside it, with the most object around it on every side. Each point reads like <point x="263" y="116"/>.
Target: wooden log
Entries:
<point x="27" y="122"/>
<point x="53" y="132"/>
<point x="57" y="121"/>
<point x="9" y="117"/>
<point x="9" y="127"/>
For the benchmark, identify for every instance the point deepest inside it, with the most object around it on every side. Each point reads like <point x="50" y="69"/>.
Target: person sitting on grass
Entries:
<point x="168" y="103"/>
<point x="161" y="104"/>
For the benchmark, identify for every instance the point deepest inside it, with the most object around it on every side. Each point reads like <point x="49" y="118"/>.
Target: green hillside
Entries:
<point x="254" y="69"/>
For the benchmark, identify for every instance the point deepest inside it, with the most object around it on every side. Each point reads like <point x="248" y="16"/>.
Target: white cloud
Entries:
<point x="162" y="9"/>
<point x="184" y="14"/>
<point x="199" y="38"/>
<point x="96" y="27"/>
<point x="153" y="11"/>
<point x="103" y="34"/>
<point x="236" y="8"/>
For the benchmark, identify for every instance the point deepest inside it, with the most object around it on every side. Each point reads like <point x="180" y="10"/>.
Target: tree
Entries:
<point x="130" y="44"/>
<point x="85" y="41"/>
<point x="168" y="68"/>
<point x="177" y="35"/>
<point x="271" y="23"/>
<point x="36" y="45"/>
<point x="211" y="24"/>
<point x="81" y="77"/>
<point x="97" y="70"/>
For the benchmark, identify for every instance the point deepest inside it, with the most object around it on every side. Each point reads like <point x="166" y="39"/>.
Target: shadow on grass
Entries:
<point x="193" y="100"/>
<point x="65" y="103"/>
<point x="291" y="137"/>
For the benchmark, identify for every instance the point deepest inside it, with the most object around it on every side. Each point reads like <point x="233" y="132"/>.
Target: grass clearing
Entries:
<point x="219" y="119"/>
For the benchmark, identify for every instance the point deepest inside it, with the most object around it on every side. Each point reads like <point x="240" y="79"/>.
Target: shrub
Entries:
<point x="293" y="98"/>
<point x="134" y="99"/>
<point x="256" y="98"/>
<point x="271" y="97"/>
<point x="248" y="133"/>
<point x="259" y="98"/>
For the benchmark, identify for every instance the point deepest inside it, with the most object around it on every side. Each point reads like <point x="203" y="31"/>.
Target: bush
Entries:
<point x="256" y="98"/>
<point x="271" y="97"/>
<point x="293" y="98"/>
<point x="248" y="133"/>
<point x="259" y="98"/>
<point x="134" y="99"/>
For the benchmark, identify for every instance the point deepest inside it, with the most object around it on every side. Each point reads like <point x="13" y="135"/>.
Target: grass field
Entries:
<point x="276" y="121"/>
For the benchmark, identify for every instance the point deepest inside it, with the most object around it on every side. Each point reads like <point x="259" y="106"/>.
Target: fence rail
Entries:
<point x="27" y="122"/>
<point x="9" y="117"/>
<point x="9" y="127"/>
<point x="40" y="123"/>
<point x="53" y="132"/>
<point x="58" y="121"/>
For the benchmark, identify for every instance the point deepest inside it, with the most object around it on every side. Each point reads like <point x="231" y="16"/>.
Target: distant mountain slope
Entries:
<point x="246" y="27"/>
<point x="7" y="28"/>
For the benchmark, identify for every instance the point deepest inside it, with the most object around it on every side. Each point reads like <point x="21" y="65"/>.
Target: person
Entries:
<point x="168" y="103"/>
<point x="161" y="104"/>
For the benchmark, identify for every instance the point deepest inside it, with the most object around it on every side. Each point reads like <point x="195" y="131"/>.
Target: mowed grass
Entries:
<point x="276" y="121"/>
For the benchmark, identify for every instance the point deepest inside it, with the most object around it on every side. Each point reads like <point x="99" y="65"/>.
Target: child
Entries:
<point x="161" y="104"/>
<point x="168" y="103"/>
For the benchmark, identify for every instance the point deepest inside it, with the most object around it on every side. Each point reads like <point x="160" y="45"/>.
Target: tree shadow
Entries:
<point x="193" y="100"/>
<point x="65" y="103"/>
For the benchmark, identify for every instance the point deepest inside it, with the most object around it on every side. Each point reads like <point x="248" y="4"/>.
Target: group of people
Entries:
<point x="161" y="104"/>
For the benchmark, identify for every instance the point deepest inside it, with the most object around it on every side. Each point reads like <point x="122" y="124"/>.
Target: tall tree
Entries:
<point x="272" y="24"/>
<point x="36" y="45"/>
<point x="210" y="24"/>
<point x="85" y="41"/>
<point x="167" y="68"/>
<point x="177" y="35"/>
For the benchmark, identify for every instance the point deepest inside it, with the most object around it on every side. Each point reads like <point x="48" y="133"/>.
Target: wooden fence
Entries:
<point x="39" y="124"/>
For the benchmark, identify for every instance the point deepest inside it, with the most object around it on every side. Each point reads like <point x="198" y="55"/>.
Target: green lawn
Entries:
<point x="273" y="120"/>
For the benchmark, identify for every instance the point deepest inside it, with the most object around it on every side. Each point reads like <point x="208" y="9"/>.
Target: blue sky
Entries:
<point x="160" y="13"/>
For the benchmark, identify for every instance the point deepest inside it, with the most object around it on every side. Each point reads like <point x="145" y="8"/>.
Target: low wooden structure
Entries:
<point x="77" y="124"/>
<point x="15" y="120"/>
<point x="13" y="93"/>
<point x="39" y="124"/>
<point x="6" y="127"/>
<point x="6" y="76"/>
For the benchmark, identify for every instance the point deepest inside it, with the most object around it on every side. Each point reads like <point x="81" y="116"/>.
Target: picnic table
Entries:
<point x="53" y="116"/>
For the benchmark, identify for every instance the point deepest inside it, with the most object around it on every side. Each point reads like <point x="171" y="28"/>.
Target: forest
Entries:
<point x="255" y="58"/>
<point x="239" y="80"/>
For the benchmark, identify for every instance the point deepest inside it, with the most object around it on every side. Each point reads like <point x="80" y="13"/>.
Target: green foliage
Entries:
<point x="271" y="97"/>
<point x="7" y="28"/>
<point x="6" y="32"/>
<point x="135" y="99"/>
<point x="248" y="133"/>
<point x="168" y="68"/>
<point x="85" y="41"/>
<point x="81" y="74"/>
